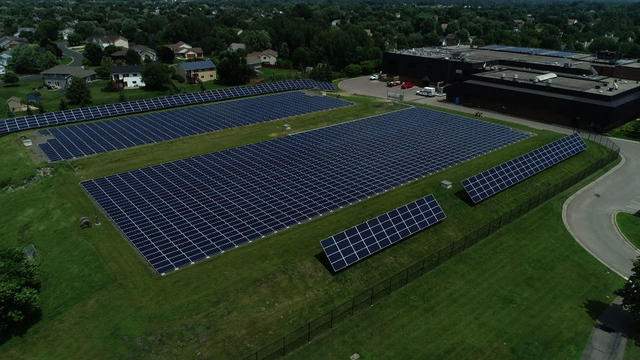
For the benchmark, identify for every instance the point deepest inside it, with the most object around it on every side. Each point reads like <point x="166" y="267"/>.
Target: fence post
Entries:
<point x="371" y="301"/>
<point x="331" y="323"/>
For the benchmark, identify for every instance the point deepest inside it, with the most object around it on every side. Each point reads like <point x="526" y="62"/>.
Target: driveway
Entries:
<point x="589" y="215"/>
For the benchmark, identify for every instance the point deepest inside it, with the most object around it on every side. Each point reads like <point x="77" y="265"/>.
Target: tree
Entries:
<point x="29" y="60"/>
<point x="75" y="39"/>
<point x="84" y="29"/>
<point x="155" y="76"/>
<point x="256" y="40"/>
<point x="132" y="58"/>
<point x="78" y="92"/>
<point x="104" y="70"/>
<point x="19" y="292"/>
<point x="47" y="29"/>
<point x="128" y="28"/>
<point x="109" y="50"/>
<point x="233" y="69"/>
<point x="353" y="70"/>
<point x="11" y="78"/>
<point x="631" y="291"/>
<point x="63" y="105"/>
<point x="165" y="55"/>
<point x="93" y="53"/>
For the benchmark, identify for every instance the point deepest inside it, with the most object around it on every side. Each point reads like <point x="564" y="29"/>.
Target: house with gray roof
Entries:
<point x="60" y="76"/>
<point x="198" y="71"/>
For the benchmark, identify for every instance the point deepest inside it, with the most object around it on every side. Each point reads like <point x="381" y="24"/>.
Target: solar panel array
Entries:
<point x="496" y="179"/>
<point x="531" y="51"/>
<point x="354" y="244"/>
<point x="97" y="137"/>
<point x="180" y="212"/>
<point x="137" y="106"/>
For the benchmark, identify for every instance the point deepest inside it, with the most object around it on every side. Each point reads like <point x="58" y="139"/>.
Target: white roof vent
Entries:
<point x="544" y="77"/>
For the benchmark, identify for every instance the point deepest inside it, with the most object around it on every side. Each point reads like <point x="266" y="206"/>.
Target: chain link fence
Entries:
<point x="367" y="298"/>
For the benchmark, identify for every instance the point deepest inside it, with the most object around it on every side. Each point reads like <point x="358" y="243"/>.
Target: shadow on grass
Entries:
<point x="462" y="195"/>
<point x="322" y="258"/>
<point x="21" y="329"/>
<point x="595" y="308"/>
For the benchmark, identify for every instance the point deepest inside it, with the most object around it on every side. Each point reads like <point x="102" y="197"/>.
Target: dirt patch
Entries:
<point x="40" y="173"/>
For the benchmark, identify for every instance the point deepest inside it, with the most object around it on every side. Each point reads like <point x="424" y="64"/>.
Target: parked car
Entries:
<point x="393" y="83"/>
<point x="407" y="85"/>
<point x="427" y="91"/>
<point x="374" y="77"/>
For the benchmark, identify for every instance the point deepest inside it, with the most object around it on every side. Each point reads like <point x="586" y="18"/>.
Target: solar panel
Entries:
<point x="180" y="212"/>
<point x="496" y="179"/>
<point x="354" y="244"/>
<point x="97" y="137"/>
<point x="102" y="111"/>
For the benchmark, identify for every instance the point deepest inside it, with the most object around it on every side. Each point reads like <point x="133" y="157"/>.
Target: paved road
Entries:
<point x="589" y="214"/>
<point x="76" y="56"/>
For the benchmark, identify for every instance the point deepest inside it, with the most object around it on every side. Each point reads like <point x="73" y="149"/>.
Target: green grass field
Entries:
<point x="629" y="225"/>
<point x="100" y="299"/>
<point x="527" y="286"/>
<point x="630" y="130"/>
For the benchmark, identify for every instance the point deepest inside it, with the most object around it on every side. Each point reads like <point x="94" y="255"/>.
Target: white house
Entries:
<point x="265" y="57"/>
<point x="4" y="62"/>
<point x="126" y="77"/>
<point x="145" y="52"/>
<point x="185" y="51"/>
<point x="104" y="41"/>
<point x="66" y="32"/>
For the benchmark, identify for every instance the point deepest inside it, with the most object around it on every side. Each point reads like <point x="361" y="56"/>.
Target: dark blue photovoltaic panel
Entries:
<point x="531" y="51"/>
<point x="97" y="137"/>
<point x="180" y="212"/>
<point x="132" y="107"/>
<point x="361" y="241"/>
<point x="496" y="179"/>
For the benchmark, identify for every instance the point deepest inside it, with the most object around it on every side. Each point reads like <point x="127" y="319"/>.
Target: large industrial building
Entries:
<point x="594" y="92"/>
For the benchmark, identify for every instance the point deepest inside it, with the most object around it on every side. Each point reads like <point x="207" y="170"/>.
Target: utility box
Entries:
<point x="446" y="184"/>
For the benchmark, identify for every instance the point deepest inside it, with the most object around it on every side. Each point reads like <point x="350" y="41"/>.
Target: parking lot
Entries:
<point x="363" y="86"/>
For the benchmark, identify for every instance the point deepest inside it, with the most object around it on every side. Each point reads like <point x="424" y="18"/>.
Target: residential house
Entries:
<point x="126" y="77"/>
<point x="182" y="50"/>
<point x="119" y="55"/>
<point x="198" y="71"/>
<point x="24" y="29"/>
<point x="572" y="21"/>
<point x="66" y="32"/>
<point x="60" y="76"/>
<point x="4" y="62"/>
<point x="254" y="62"/>
<point x="15" y="104"/>
<point x="145" y="52"/>
<point x="265" y="57"/>
<point x="237" y="46"/>
<point x="9" y="42"/>
<point x="368" y="32"/>
<point x="335" y="22"/>
<point x="34" y="97"/>
<point x="106" y="40"/>
<point x="518" y="24"/>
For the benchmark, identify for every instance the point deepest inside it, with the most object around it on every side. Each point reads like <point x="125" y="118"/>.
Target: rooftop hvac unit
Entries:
<point x="544" y="77"/>
<point x="503" y="76"/>
<point x="515" y="77"/>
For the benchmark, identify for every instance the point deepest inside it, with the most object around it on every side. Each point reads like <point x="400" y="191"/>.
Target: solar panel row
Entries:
<point x="131" y="107"/>
<point x="496" y="179"/>
<point x="97" y="137"/>
<point x="532" y="51"/>
<point x="361" y="241"/>
<point x="180" y="212"/>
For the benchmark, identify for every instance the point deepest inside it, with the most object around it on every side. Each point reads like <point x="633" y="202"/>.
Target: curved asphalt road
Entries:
<point x="76" y="56"/>
<point x="589" y="215"/>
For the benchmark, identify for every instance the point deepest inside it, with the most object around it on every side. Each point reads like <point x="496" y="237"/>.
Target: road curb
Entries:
<point x="620" y="233"/>
<point x="574" y="195"/>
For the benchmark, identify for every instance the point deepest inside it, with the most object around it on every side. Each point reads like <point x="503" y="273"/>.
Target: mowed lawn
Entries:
<point x="528" y="291"/>
<point x="101" y="300"/>
<point x="629" y="225"/>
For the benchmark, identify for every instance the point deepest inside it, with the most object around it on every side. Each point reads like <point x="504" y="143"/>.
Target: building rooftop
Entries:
<point x="126" y="69"/>
<point x="601" y="85"/>
<point x="74" y="71"/>
<point x="198" y="65"/>
<point x="508" y="53"/>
